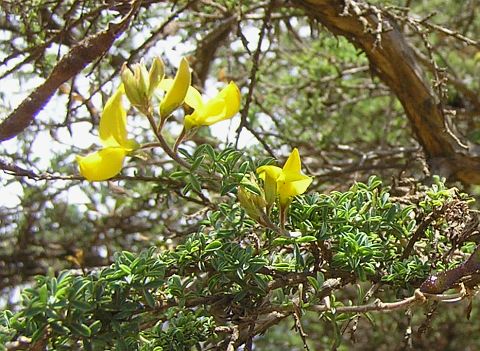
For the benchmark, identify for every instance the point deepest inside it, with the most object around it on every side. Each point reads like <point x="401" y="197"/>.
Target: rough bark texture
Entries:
<point x="393" y="60"/>
<point x="71" y="64"/>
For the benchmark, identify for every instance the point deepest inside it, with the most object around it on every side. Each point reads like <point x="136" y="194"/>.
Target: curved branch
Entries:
<point x="71" y="64"/>
<point x="394" y="61"/>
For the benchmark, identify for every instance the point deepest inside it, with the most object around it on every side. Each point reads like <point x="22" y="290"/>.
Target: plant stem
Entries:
<point x="163" y="143"/>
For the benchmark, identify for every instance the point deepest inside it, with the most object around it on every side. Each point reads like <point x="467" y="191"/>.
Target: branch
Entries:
<point x="71" y="64"/>
<point x="209" y="45"/>
<point x="395" y="63"/>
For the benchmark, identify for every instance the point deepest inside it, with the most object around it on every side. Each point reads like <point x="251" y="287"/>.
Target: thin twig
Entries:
<point x="253" y="71"/>
<point x="77" y="59"/>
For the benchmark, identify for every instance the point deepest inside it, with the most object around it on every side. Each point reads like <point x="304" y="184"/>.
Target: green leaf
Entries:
<point x="33" y="311"/>
<point x="313" y="282"/>
<point x="124" y="268"/>
<point x="81" y="329"/>
<point x="149" y="298"/>
<point x="210" y="151"/>
<point x="195" y="184"/>
<point x="282" y="266"/>
<point x="129" y="256"/>
<point x="179" y="174"/>
<point x="227" y="188"/>
<point x="305" y="239"/>
<point x="95" y="327"/>
<point x="198" y="161"/>
<point x="154" y="284"/>
<point x="184" y="152"/>
<point x="213" y="246"/>
<point x="60" y="329"/>
<point x="81" y="305"/>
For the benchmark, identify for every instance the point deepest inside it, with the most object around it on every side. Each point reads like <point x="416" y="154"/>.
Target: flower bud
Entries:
<point x="155" y="75"/>
<point x="135" y="89"/>
<point x="252" y="199"/>
<point x="141" y="75"/>
<point x="140" y="83"/>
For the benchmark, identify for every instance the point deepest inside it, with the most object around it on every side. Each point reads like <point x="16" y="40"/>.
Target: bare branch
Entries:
<point x="394" y="61"/>
<point x="71" y="64"/>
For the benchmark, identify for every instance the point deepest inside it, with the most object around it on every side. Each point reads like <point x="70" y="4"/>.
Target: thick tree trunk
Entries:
<point x="393" y="60"/>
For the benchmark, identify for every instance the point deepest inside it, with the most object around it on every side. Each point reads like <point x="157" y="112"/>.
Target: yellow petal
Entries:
<point x="193" y="97"/>
<point x="300" y="186"/>
<point x="293" y="164"/>
<point x="231" y="94"/>
<point x="176" y="94"/>
<point x="113" y="122"/>
<point x="292" y="168"/>
<point x="224" y="106"/>
<point x="165" y="84"/>
<point x="103" y="164"/>
<point x="272" y="171"/>
<point x="212" y="112"/>
<point x="287" y="190"/>
<point x="269" y="174"/>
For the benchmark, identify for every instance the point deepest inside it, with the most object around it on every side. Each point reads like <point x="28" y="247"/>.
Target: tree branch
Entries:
<point x="71" y="64"/>
<point x="394" y="61"/>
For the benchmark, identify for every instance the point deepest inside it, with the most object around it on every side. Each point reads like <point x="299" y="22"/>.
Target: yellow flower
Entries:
<point x="108" y="162"/>
<point x="223" y="106"/>
<point x="176" y="89"/>
<point x="287" y="182"/>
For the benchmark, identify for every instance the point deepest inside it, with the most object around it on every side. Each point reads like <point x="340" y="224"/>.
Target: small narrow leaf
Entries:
<point x="213" y="246"/>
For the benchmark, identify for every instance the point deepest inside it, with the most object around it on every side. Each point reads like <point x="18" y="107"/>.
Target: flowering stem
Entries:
<point x="163" y="144"/>
<point x="179" y="140"/>
<point x="150" y="145"/>
<point x="270" y="225"/>
<point x="283" y="216"/>
<point x="160" y="126"/>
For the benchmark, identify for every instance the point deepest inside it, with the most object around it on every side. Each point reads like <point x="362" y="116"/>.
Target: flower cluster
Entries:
<point x="140" y="86"/>
<point x="282" y="183"/>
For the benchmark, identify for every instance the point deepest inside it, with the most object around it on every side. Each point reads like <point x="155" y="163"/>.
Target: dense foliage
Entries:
<point x="181" y="249"/>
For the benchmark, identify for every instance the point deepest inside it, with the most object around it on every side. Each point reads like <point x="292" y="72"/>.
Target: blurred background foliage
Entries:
<point x="212" y="266"/>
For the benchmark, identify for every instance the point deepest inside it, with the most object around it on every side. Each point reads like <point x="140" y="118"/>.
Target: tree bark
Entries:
<point x="71" y="64"/>
<point x="393" y="61"/>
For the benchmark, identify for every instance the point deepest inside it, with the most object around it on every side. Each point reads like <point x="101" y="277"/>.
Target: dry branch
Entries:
<point x="395" y="63"/>
<point x="71" y="64"/>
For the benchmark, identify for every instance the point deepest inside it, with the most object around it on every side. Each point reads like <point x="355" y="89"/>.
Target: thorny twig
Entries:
<point x="253" y="74"/>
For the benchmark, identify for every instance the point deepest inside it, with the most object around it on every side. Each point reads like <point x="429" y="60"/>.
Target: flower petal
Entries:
<point x="272" y="171"/>
<point x="229" y="99"/>
<point x="193" y="98"/>
<point x="212" y="112"/>
<point x="293" y="164"/>
<point x="176" y="94"/>
<point x="113" y="122"/>
<point x="231" y="94"/>
<point x="300" y="186"/>
<point x="269" y="174"/>
<point x="287" y="190"/>
<point x="103" y="164"/>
